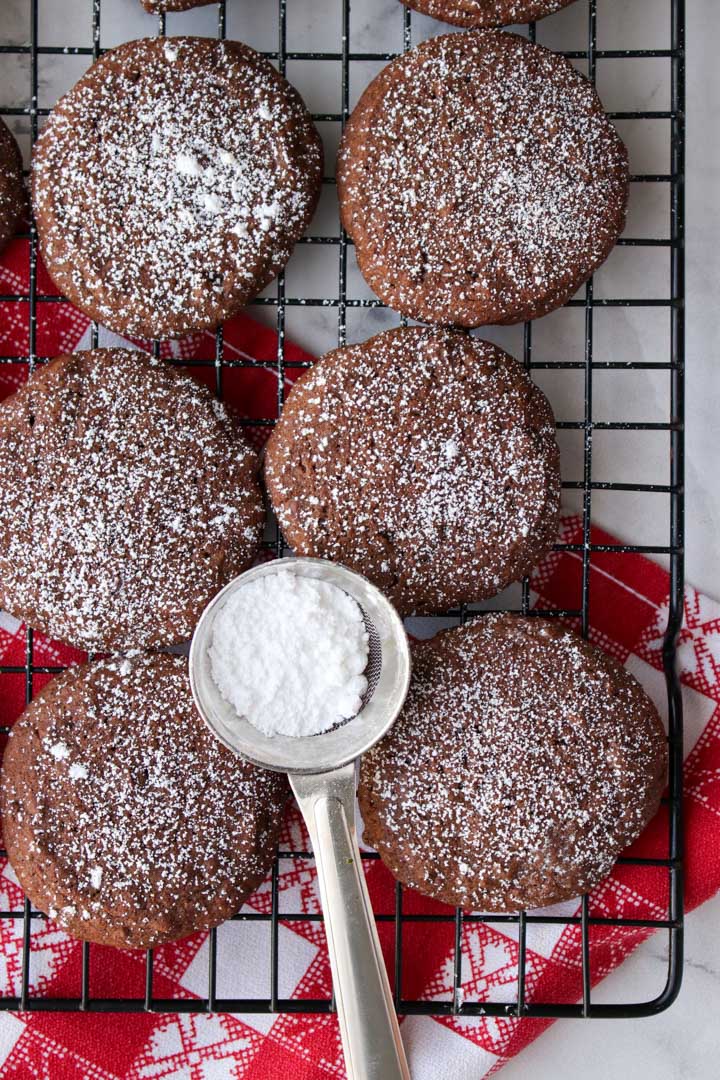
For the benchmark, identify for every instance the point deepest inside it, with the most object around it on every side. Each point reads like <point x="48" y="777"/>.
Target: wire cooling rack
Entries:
<point x="588" y="365"/>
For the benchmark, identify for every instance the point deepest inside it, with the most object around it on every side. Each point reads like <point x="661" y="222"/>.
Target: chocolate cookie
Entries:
<point x="12" y="190"/>
<point x="524" y="761"/>
<point x="157" y="7"/>
<point x="124" y="818"/>
<point x="486" y="12"/>
<point x="172" y="182"/>
<point x="128" y="498"/>
<point x="422" y="458"/>
<point x="480" y="180"/>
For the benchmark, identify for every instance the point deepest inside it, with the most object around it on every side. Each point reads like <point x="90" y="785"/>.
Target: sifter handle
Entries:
<point x="368" y="1025"/>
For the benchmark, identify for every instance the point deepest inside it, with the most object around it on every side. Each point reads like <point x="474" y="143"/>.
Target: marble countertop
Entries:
<point x="685" y="1041"/>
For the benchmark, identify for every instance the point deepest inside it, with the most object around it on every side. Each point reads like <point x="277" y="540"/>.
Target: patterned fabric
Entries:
<point x="263" y="1046"/>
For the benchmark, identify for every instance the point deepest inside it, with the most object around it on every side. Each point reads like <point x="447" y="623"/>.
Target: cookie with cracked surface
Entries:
<point x="524" y="762"/>
<point x="128" y="497"/>
<point x="486" y="12"/>
<point x="159" y="7"/>
<point x="125" y="819"/>
<point x="172" y="182"/>
<point x="423" y="458"/>
<point x="13" y="202"/>
<point x="480" y="180"/>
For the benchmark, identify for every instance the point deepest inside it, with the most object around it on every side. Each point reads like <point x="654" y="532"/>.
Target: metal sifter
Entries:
<point x="321" y="770"/>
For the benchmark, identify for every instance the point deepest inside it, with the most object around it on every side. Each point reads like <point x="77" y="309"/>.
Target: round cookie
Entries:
<point x="12" y="189"/>
<point x="486" y="12"/>
<point x="124" y="818"/>
<point x="128" y="497"/>
<point x="158" y="7"/>
<point x="480" y="180"/>
<point x="422" y="458"/>
<point x="524" y="762"/>
<point x="172" y="182"/>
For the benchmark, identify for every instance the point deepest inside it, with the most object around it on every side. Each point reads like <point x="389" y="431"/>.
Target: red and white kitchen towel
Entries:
<point x="629" y="610"/>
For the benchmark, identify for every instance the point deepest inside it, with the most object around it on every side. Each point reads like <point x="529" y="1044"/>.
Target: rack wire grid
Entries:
<point x="588" y="365"/>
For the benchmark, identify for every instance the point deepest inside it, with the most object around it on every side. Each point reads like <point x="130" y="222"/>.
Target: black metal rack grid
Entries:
<point x="588" y="363"/>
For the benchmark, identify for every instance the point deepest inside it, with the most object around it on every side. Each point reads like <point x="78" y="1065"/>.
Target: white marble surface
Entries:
<point x="684" y="1042"/>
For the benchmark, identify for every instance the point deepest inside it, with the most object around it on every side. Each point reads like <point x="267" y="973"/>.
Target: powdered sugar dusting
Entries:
<point x="486" y="12"/>
<point x="397" y="458"/>
<point x="12" y="189"/>
<point x="158" y="7"/>
<point x="135" y="493"/>
<point x="147" y="166"/>
<point x="169" y="831"/>
<point x="523" y="763"/>
<point x="480" y="180"/>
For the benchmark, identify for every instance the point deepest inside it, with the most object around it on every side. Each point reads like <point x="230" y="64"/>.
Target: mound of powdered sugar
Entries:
<point x="289" y="654"/>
